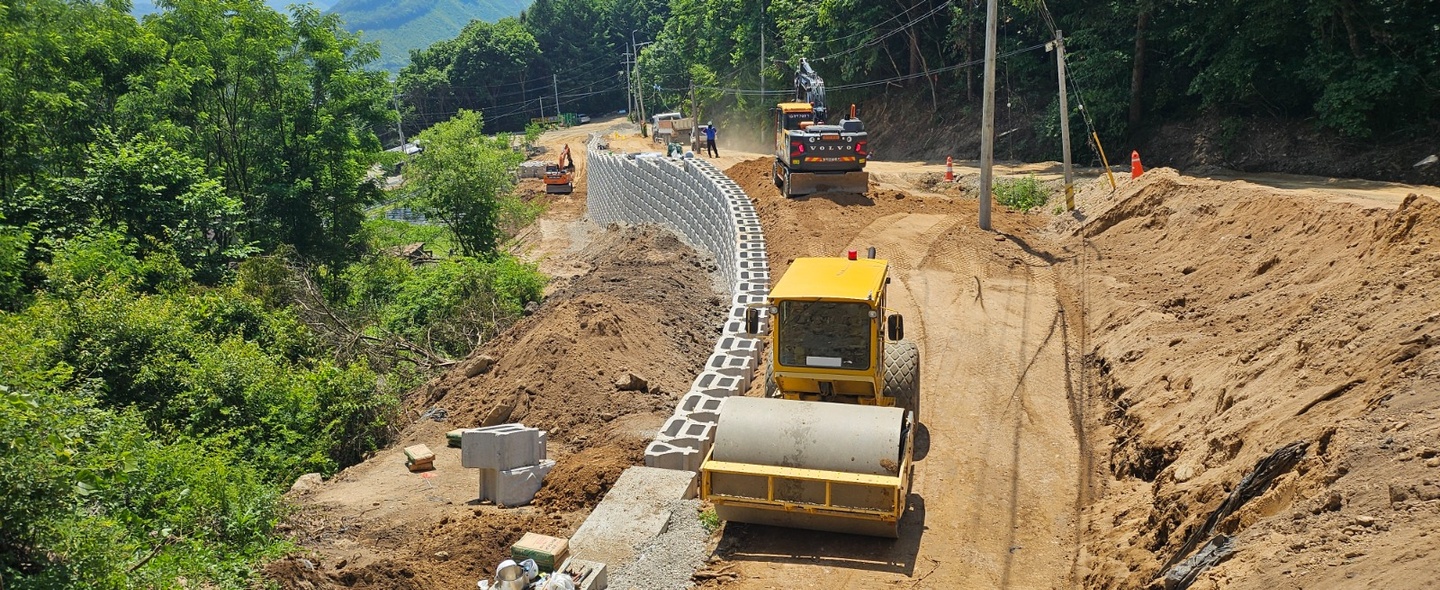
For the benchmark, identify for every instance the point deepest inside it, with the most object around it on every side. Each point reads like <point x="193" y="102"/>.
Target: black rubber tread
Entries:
<point x="775" y="174"/>
<point x="771" y="389"/>
<point x="902" y="375"/>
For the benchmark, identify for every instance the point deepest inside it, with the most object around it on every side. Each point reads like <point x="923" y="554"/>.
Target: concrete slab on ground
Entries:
<point x="634" y="511"/>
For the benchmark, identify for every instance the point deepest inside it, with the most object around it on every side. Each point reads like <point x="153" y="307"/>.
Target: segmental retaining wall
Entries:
<point x="711" y="213"/>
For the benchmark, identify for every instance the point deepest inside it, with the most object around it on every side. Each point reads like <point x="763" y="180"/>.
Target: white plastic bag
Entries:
<point x="559" y="581"/>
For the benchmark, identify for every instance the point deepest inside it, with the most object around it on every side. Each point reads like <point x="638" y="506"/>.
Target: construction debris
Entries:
<point x="631" y="382"/>
<point x="587" y="575"/>
<point x="511" y="459"/>
<point x="419" y="458"/>
<point x="547" y="551"/>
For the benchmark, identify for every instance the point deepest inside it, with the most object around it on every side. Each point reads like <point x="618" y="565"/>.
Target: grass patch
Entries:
<point x="710" y="520"/>
<point x="1021" y="194"/>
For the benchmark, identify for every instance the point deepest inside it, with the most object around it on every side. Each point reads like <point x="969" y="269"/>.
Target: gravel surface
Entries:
<point x="668" y="561"/>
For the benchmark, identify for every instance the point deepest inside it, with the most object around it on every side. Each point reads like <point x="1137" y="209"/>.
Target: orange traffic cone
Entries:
<point x="949" y="169"/>
<point x="1135" y="168"/>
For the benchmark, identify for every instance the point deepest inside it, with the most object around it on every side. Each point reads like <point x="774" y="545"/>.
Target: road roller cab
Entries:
<point x="834" y="451"/>
<point x="829" y="341"/>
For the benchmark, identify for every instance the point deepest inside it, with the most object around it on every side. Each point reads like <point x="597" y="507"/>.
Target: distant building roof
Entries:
<point x="408" y="149"/>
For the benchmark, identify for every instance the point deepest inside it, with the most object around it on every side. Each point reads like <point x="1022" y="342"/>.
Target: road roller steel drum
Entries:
<point x="814" y="465"/>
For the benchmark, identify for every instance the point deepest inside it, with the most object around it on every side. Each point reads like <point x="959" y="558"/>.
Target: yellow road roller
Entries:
<point x="830" y="446"/>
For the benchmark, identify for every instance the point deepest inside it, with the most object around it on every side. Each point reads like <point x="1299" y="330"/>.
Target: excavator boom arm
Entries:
<point x="810" y="87"/>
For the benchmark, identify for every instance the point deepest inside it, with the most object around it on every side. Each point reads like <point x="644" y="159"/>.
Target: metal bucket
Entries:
<point x="510" y="576"/>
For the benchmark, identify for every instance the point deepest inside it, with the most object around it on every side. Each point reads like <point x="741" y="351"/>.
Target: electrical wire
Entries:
<point x="887" y="35"/>
<point x="866" y="84"/>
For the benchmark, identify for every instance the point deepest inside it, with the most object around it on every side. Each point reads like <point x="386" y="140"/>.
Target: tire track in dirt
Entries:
<point x="993" y="502"/>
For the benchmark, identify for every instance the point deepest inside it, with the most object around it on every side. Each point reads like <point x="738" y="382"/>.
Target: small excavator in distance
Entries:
<point x="811" y="155"/>
<point x="557" y="175"/>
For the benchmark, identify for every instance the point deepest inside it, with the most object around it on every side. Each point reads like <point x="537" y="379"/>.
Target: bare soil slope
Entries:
<point x="1225" y="322"/>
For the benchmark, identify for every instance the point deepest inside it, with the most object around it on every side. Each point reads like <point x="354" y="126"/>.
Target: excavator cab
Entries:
<point x="812" y="155"/>
<point x="830" y="446"/>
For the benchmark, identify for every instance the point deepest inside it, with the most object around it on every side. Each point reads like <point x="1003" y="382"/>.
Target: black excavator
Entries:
<point x="812" y="155"/>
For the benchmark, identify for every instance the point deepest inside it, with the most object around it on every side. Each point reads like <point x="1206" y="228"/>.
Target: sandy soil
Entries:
<point x="1094" y="386"/>
<point x="994" y="500"/>
<point x="1226" y="320"/>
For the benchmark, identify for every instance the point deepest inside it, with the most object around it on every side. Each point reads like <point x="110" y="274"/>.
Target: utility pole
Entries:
<point x="987" y="117"/>
<point x="555" y="79"/>
<point x="1064" y="120"/>
<point x="629" y="90"/>
<point x="398" y="119"/>
<point x="542" y="107"/>
<point x="762" y="51"/>
<point x="640" y="93"/>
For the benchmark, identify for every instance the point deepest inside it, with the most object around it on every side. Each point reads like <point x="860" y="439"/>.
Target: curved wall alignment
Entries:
<point x="711" y="213"/>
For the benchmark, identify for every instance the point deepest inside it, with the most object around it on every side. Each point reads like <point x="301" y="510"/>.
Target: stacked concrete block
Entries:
<point x="737" y="345"/>
<point x="710" y="212"/>
<point x="511" y="459"/>
<point x="715" y="384"/>
<point x="700" y="407"/>
<point x="724" y="363"/>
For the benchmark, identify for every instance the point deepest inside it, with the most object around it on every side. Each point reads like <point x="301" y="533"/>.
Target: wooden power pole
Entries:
<point x="1059" y="46"/>
<point x="987" y="117"/>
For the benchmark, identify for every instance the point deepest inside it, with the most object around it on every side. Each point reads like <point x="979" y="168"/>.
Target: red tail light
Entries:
<point x="860" y="148"/>
<point x="797" y="147"/>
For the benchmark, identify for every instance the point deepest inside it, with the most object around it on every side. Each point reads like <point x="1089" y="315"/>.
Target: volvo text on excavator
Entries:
<point x="557" y="175"/>
<point x="812" y="155"/>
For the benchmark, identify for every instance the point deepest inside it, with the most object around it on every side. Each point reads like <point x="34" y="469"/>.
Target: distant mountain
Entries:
<point x="399" y="25"/>
<point x="144" y="7"/>
<point x="402" y="25"/>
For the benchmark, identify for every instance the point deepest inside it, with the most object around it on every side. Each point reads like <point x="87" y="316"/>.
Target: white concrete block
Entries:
<point x="667" y="456"/>
<point x="513" y="487"/>
<point x="717" y="384"/>
<point x="504" y="446"/>
<point x="742" y="366"/>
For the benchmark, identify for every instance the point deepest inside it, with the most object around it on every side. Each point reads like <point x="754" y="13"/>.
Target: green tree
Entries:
<point x="14" y="242"/>
<point x="161" y="197"/>
<point x="282" y="110"/>
<point x="460" y="179"/>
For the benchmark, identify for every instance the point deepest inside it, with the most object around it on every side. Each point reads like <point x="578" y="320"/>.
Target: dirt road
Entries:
<point x="994" y="501"/>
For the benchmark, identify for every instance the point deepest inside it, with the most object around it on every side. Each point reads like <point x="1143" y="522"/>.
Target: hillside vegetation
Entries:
<point x="196" y="302"/>
<point x="1221" y="78"/>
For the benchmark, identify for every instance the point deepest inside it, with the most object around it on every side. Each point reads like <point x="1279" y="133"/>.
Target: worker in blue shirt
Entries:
<point x="710" y="140"/>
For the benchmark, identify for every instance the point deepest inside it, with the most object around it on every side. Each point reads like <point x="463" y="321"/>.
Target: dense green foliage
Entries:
<point x="1360" y="68"/>
<point x="460" y="179"/>
<point x="142" y="414"/>
<point x="194" y="305"/>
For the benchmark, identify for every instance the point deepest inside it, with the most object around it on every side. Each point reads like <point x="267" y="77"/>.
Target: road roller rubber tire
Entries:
<point x="771" y="389"/>
<point x="902" y="375"/>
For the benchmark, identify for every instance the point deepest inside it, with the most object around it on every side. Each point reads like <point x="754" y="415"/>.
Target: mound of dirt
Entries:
<point x="1225" y="322"/>
<point x="644" y="307"/>
<point x="810" y="225"/>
